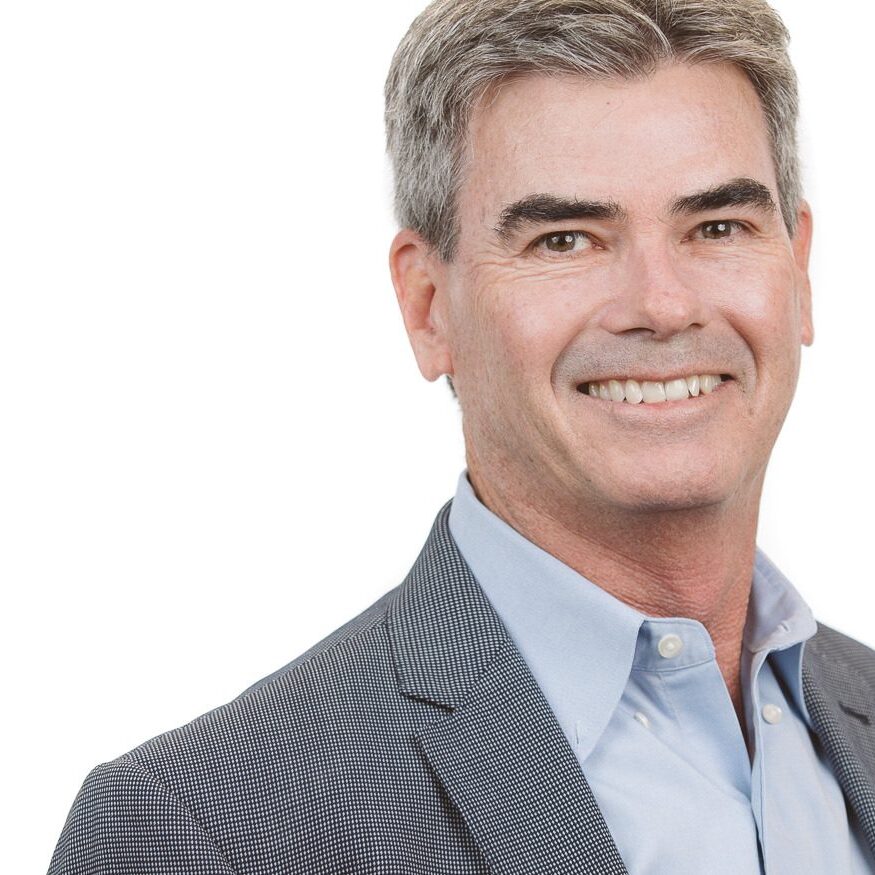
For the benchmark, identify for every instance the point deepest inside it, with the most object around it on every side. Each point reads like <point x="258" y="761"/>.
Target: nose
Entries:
<point x="655" y="295"/>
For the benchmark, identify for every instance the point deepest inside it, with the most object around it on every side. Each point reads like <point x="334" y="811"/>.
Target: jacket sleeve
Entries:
<point x="125" y="820"/>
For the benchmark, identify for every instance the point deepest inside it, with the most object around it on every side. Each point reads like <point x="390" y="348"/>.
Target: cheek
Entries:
<point x="527" y="322"/>
<point x="764" y="305"/>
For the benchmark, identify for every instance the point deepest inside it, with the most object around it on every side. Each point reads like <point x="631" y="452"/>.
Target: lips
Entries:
<point x="631" y="391"/>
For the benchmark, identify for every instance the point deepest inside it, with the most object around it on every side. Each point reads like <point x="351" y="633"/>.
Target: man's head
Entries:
<point x="615" y="203"/>
<point x="457" y="51"/>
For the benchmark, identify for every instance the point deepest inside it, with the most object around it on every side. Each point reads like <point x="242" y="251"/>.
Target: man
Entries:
<point x="590" y="668"/>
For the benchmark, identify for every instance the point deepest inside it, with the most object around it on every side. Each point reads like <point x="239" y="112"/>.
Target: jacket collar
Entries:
<point x="500" y="753"/>
<point x="838" y="682"/>
<point x="498" y="750"/>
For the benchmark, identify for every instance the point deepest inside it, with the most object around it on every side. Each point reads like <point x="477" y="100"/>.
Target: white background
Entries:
<point x="215" y="446"/>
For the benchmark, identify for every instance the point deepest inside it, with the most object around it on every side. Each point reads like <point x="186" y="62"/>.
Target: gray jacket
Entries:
<point x="412" y="741"/>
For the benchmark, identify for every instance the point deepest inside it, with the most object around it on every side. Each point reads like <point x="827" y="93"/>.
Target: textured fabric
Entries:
<point x="413" y="741"/>
<point x="838" y="678"/>
<point x="667" y="726"/>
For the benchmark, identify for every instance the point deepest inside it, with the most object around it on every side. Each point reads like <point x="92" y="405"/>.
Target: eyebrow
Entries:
<point x="740" y="192"/>
<point x="536" y="209"/>
<point x="542" y="208"/>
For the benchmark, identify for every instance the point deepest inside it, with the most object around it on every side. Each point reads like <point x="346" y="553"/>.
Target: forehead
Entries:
<point x="640" y="142"/>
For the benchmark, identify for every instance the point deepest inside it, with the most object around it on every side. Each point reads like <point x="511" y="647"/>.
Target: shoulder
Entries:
<point x="308" y="743"/>
<point x="287" y="716"/>
<point x="348" y="641"/>
<point x="125" y="820"/>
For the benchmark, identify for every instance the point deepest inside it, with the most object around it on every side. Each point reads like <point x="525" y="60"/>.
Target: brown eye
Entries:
<point x="717" y="230"/>
<point x="560" y="242"/>
<point x="564" y="241"/>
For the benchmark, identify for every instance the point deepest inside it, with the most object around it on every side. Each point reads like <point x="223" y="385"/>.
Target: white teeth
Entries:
<point x="654" y="392"/>
<point x="707" y="382"/>
<point x="634" y="395"/>
<point x="615" y="387"/>
<point x="676" y="390"/>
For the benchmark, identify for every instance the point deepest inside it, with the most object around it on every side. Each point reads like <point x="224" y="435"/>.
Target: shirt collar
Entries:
<point x="777" y="616"/>
<point x="580" y="642"/>
<point x="779" y="622"/>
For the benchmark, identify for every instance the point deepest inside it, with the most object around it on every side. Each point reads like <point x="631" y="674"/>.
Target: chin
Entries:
<point x="679" y="500"/>
<point x="680" y="489"/>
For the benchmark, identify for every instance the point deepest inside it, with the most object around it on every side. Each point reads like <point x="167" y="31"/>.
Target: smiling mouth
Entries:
<point x="653" y="392"/>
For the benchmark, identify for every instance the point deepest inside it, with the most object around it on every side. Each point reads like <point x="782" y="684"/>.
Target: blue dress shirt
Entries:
<point x="647" y="712"/>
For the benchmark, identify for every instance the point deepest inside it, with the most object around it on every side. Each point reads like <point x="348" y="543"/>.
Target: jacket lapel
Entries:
<point x="498" y="750"/>
<point x="840" y="700"/>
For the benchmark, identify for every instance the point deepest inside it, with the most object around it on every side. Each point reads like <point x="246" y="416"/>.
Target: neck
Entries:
<point x="680" y="563"/>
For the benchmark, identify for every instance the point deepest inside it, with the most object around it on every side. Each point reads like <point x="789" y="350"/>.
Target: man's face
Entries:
<point x="616" y="235"/>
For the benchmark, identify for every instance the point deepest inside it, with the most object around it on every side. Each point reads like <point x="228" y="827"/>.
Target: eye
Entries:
<point x="562" y="242"/>
<point x="720" y="230"/>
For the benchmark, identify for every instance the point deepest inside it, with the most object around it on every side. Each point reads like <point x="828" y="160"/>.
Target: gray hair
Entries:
<point x="456" y="50"/>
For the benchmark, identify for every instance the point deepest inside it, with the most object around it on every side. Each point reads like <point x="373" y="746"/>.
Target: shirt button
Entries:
<point x="670" y="646"/>
<point x="642" y="719"/>
<point x="772" y="714"/>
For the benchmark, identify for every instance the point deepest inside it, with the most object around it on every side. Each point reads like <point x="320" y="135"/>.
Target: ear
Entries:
<point x="801" y="250"/>
<point x="419" y="287"/>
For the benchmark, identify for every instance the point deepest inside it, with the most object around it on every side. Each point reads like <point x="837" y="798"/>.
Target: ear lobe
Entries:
<point x="418" y="282"/>
<point x="801" y="250"/>
<point x="807" y="318"/>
